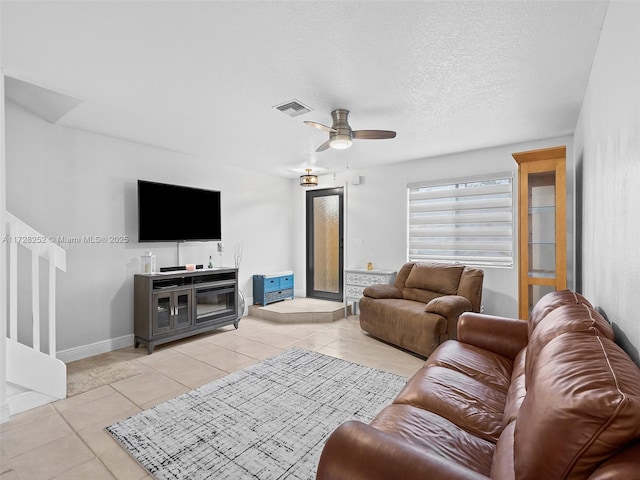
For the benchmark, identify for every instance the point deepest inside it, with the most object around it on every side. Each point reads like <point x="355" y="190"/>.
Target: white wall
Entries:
<point x="67" y="182"/>
<point x="377" y="208"/>
<point x="607" y="146"/>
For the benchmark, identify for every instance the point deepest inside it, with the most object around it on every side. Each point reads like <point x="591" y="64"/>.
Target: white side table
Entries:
<point x="356" y="280"/>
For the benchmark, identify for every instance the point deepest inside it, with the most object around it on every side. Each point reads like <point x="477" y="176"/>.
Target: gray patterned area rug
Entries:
<point x="267" y="421"/>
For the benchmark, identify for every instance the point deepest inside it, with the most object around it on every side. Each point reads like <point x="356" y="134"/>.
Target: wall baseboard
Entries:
<point x="84" y="351"/>
<point x="4" y="412"/>
<point x="24" y="401"/>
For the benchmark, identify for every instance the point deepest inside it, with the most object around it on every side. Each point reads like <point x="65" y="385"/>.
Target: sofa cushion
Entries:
<point x="489" y="368"/>
<point x="564" y="318"/>
<point x="459" y="398"/>
<point x="502" y="466"/>
<point x="582" y="406"/>
<point x="623" y="465"/>
<point x="551" y="301"/>
<point x="443" y="279"/>
<point x="434" y="434"/>
<point x="471" y="286"/>
<point x="403" y="274"/>
<point x="517" y="390"/>
<point x="419" y="295"/>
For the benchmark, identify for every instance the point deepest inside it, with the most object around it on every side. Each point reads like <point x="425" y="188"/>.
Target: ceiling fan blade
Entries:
<point x="373" y="134"/>
<point x="319" y="126"/>
<point x="324" y="146"/>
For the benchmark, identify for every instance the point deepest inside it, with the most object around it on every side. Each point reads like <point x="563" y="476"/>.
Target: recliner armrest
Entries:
<point x="382" y="291"/>
<point x="449" y="305"/>
<point x="357" y="451"/>
<point x="501" y="335"/>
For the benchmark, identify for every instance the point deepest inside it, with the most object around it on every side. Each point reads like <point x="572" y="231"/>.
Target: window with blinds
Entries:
<point x="467" y="221"/>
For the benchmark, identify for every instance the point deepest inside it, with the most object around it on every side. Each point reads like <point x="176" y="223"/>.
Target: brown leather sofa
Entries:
<point x="421" y="310"/>
<point x="552" y="398"/>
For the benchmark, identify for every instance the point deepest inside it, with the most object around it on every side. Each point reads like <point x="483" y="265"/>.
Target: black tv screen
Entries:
<point x="174" y="213"/>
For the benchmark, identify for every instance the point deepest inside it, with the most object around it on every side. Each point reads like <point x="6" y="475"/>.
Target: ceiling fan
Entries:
<point x="341" y="135"/>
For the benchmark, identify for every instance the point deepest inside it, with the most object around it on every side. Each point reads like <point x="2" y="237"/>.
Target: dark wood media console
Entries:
<point x="174" y="305"/>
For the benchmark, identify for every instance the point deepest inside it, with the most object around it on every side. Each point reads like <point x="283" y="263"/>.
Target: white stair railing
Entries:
<point x="19" y="233"/>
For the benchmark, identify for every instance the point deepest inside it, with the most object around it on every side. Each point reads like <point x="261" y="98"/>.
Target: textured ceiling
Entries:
<point x="203" y="77"/>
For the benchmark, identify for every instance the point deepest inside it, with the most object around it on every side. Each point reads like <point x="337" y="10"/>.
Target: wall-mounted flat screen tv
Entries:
<point x="175" y="213"/>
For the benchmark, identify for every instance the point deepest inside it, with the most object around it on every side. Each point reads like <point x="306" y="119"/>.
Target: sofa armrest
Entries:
<point x="382" y="291"/>
<point x="449" y="306"/>
<point x="357" y="451"/>
<point x="501" y="335"/>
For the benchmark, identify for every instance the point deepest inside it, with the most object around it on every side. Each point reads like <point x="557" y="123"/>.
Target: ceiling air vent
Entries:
<point x="293" y="108"/>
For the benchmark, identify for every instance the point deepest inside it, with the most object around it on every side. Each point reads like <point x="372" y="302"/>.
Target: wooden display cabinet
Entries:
<point x="542" y="213"/>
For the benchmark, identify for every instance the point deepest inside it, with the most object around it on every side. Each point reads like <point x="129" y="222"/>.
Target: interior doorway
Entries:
<point x="325" y="243"/>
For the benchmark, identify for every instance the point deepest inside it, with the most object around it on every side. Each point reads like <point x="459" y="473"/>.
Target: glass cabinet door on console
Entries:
<point x="171" y="311"/>
<point x="542" y="261"/>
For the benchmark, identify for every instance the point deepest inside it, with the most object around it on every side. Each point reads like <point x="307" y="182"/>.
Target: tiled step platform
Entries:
<point x="300" y="310"/>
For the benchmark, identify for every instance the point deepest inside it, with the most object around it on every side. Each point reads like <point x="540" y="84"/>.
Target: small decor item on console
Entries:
<point x="148" y="261"/>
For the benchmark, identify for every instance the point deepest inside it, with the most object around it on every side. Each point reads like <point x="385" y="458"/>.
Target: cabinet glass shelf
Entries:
<point x="541" y="208"/>
<point x="542" y="274"/>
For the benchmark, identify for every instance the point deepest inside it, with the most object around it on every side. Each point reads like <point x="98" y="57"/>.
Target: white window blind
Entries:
<point x="467" y="221"/>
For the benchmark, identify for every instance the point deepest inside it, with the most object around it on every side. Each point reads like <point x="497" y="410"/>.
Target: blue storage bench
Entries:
<point x="272" y="287"/>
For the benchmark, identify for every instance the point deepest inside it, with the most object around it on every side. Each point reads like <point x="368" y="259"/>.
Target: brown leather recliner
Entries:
<point x="421" y="310"/>
<point x="554" y="398"/>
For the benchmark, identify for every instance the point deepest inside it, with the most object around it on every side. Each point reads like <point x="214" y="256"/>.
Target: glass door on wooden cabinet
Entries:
<point x="182" y="309"/>
<point x="162" y="312"/>
<point x="541" y="225"/>
<point x="171" y="311"/>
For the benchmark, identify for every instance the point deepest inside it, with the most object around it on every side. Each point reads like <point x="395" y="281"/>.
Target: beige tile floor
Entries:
<point x="66" y="439"/>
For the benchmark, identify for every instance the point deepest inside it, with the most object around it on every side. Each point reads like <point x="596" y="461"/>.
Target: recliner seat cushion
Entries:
<point x="491" y="369"/>
<point x="461" y="399"/>
<point x="435" y="434"/>
<point x="402" y="322"/>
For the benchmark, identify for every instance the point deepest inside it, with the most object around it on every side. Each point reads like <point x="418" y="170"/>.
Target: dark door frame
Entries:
<point x="311" y="291"/>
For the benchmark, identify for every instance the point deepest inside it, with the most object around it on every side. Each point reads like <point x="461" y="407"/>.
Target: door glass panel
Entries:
<point x="542" y="221"/>
<point x="326" y="215"/>
<point x="163" y="313"/>
<point x="182" y="310"/>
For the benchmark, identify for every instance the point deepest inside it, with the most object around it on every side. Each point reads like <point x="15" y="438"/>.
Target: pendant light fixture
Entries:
<point x="308" y="180"/>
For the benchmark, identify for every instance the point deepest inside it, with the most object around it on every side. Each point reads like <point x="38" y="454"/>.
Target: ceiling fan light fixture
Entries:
<point x="308" y="180"/>
<point x="341" y="135"/>
<point x="340" y="141"/>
